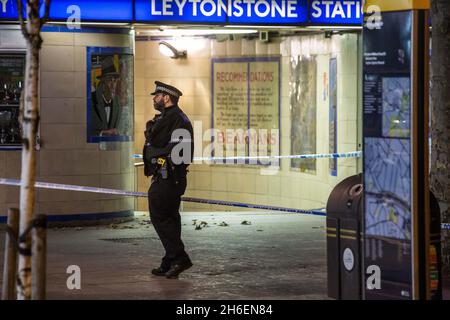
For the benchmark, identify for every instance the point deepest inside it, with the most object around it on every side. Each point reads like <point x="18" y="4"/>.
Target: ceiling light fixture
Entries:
<point x="193" y="32"/>
<point x="170" y="51"/>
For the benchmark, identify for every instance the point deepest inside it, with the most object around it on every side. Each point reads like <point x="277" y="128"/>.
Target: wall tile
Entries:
<point x="79" y="59"/>
<point x="109" y="162"/>
<point x="218" y="49"/>
<point x="58" y="85"/>
<point x="101" y="40"/>
<point x="58" y="38"/>
<point x="86" y="162"/>
<point x="55" y="163"/>
<point x="57" y="58"/>
<point x="57" y="110"/>
<point x="3" y="163"/>
<point x="248" y="47"/>
<point x="234" y="48"/>
<point x="13" y="164"/>
<point x="58" y="136"/>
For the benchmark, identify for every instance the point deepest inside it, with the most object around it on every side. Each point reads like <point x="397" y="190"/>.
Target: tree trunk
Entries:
<point x="31" y="30"/>
<point x="440" y="117"/>
<point x="28" y="176"/>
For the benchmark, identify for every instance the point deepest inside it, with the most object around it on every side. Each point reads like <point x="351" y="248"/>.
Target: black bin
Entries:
<point x="344" y="226"/>
<point x="344" y="241"/>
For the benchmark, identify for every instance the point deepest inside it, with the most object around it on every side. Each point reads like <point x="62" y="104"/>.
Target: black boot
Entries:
<point x="176" y="269"/>
<point x="161" y="271"/>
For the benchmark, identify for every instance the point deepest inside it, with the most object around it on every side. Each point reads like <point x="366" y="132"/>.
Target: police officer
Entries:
<point x="164" y="134"/>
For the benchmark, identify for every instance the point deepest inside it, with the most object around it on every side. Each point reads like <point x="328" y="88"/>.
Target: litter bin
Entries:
<point x="344" y="216"/>
<point x="344" y="241"/>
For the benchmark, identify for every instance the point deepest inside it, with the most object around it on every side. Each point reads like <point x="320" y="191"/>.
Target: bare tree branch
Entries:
<point x="47" y="13"/>
<point x="21" y="19"/>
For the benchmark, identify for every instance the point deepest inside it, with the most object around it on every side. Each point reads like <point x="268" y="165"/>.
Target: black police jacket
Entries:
<point x="160" y="140"/>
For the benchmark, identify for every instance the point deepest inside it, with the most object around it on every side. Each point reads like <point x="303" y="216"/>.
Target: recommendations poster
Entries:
<point x="387" y="154"/>
<point x="246" y="102"/>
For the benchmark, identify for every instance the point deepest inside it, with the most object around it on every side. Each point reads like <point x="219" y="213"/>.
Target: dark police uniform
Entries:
<point x="168" y="180"/>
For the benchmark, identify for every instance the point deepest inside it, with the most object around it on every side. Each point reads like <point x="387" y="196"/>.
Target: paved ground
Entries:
<point x="277" y="256"/>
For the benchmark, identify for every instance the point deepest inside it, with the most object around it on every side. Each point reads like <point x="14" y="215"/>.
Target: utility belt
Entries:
<point x="163" y="167"/>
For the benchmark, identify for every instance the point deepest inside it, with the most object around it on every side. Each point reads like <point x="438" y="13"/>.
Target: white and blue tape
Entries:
<point x="67" y="187"/>
<point x="353" y="154"/>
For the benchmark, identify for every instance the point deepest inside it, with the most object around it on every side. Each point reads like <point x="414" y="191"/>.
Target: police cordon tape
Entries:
<point x="67" y="187"/>
<point x="353" y="154"/>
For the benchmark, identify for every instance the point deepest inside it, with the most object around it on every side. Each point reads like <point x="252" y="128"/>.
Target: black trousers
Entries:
<point x="164" y="197"/>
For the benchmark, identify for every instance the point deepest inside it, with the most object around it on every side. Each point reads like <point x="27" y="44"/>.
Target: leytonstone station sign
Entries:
<point x="257" y="12"/>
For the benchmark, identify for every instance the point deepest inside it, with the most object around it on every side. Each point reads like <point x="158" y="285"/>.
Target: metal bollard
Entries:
<point x="39" y="258"/>
<point x="10" y="263"/>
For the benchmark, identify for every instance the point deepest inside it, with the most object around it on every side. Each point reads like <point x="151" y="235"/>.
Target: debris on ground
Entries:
<point x="223" y="224"/>
<point x="79" y="229"/>
<point x="259" y="230"/>
<point x="201" y="225"/>
<point x="194" y="222"/>
<point x="320" y="227"/>
<point x="145" y="222"/>
<point x="116" y="226"/>
<point x="246" y="223"/>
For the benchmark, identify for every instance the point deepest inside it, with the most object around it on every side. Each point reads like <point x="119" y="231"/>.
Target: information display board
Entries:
<point x="388" y="154"/>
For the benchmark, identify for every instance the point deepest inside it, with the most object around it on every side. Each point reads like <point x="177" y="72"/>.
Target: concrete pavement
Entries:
<point x="272" y="256"/>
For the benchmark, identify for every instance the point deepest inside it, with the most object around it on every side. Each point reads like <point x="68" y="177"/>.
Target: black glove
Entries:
<point x="149" y="127"/>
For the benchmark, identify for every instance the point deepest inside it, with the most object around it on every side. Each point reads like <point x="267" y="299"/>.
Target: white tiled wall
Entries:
<point x="288" y="188"/>
<point x="65" y="156"/>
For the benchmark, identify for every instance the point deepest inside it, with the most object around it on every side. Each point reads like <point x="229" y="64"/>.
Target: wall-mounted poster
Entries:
<point x="110" y="114"/>
<point x="333" y="115"/>
<point x="303" y="112"/>
<point x="246" y="103"/>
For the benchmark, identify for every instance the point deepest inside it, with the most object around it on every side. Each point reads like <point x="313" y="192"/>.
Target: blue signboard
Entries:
<point x="336" y="12"/>
<point x="269" y="12"/>
<point x="9" y="10"/>
<point x="223" y="11"/>
<point x="262" y="12"/>
<point x="85" y="10"/>
<point x="212" y="11"/>
<point x="88" y="10"/>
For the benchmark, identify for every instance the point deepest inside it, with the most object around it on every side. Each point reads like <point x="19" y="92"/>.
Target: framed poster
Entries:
<point x="303" y="112"/>
<point x="246" y="109"/>
<point x="110" y="94"/>
<point x="333" y="115"/>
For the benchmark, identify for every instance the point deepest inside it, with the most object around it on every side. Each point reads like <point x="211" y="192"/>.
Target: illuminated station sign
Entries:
<point x="260" y="12"/>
